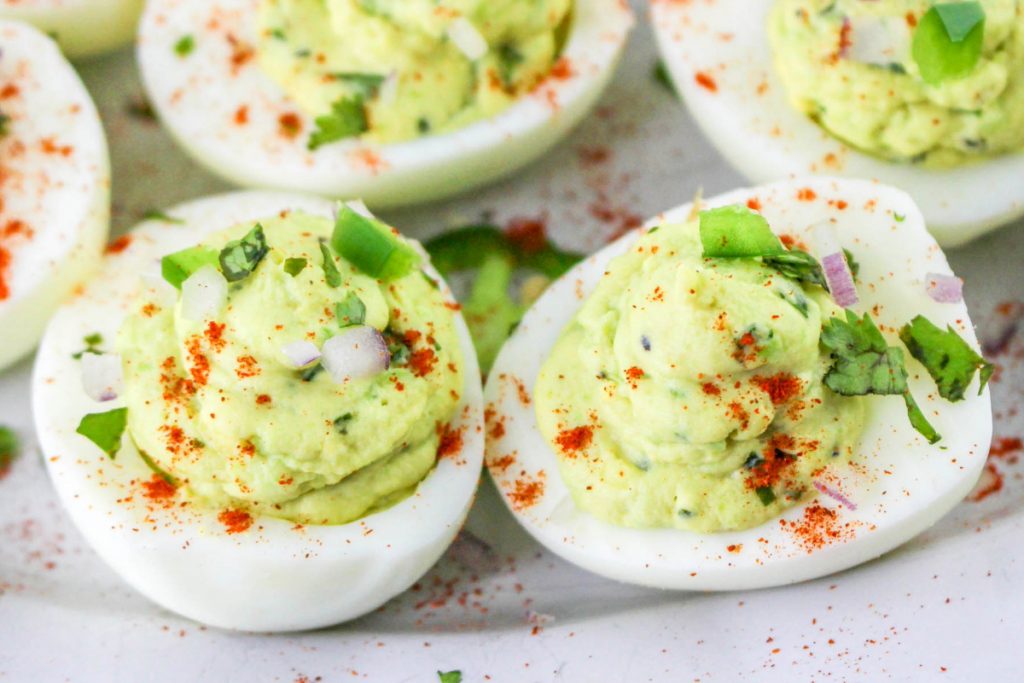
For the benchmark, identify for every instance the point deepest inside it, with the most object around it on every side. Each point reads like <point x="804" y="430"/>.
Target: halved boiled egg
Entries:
<point x="854" y="70"/>
<point x="417" y="108"/>
<point x="54" y="185"/>
<point x="82" y="28"/>
<point x="232" y="532"/>
<point x="668" y="419"/>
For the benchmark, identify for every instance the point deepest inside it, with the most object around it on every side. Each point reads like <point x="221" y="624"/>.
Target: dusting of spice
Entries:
<point x="158" y="489"/>
<point x="572" y="441"/>
<point x="235" y="521"/>
<point x="526" y="491"/>
<point x="819" y="527"/>
<point x="781" y="387"/>
<point x="450" y="443"/>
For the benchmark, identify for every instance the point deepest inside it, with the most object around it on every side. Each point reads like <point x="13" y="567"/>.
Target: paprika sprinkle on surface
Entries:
<point x="571" y="441"/>
<point x="818" y="528"/>
<point x="527" y="491"/>
<point x="705" y="81"/>
<point x="450" y="443"/>
<point x="235" y="521"/>
<point x="781" y="387"/>
<point x="158" y="488"/>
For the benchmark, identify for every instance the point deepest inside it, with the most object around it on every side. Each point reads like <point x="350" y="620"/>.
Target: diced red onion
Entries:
<point x="467" y="38"/>
<point x="840" y="279"/>
<point x="835" y="495"/>
<point x="301" y="353"/>
<point x="833" y="264"/>
<point x="102" y="376"/>
<point x="203" y="294"/>
<point x="946" y="289"/>
<point x="355" y="353"/>
<point x="877" y="40"/>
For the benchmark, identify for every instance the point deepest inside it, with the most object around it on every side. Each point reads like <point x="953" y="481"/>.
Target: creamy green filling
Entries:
<point x="850" y="66"/>
<point x="389" y="70"/>
<point x="688" y="392"/>
<point x="217" y="405"/>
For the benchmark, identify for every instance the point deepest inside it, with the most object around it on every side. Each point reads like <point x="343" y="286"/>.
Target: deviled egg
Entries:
<point x="757" y="389"/>
<point x="395" y="102"/>
<point x="83" y="28"/>
<point x="263" y="418"/>
<point x="54" y="185"/>
<point x="928" y="97"/>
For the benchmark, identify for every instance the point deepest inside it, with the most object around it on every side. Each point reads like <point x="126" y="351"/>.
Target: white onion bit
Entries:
<point x="102" y="376"/>
<point x="467" y="38"/>
<point x="355" y="353"/>
<point x="389" y="88"/>
<point x="946" y="289"/>
<point x="203" y="294"/>
<point x="879" y="41"/>
<point x="301" y="353"/>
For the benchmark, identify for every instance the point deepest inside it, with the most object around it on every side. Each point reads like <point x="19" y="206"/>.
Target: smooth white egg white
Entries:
<point x="274" y="576"/>
<point x="749" y="119"/>
<point x="899" y="483"/>
<point x="203" y="98"/>
<point x="82" y="27"/>
<point x="54" y="185"/>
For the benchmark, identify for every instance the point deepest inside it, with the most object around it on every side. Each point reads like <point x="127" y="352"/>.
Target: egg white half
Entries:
<point x="82" y="27"/>
<point x="54" y="185"/>
<point x="275" y="576"/>
<point x="899" y="483"/>
<point x="749" y="119"/>
<point x="199" y="98"/>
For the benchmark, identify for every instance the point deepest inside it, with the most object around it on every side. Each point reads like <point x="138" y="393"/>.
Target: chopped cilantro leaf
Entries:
<point x="736" y="232"/>
<point x="331" y="273"/>
<point x="662" y="78"/>
<point x="866" y="364"/>
<point x="151" y="464"/>
<point x="184" y="46"/>
<point x="509" y="58"/>
<point x="350" y="311"/>
<point x="450" y="677"/>
<point x="797" y="265"/>
<point x="309" y="373"/>
<point x="366" y="84"/>
<point x="92" y="345"/>
<point x="948" y="40"/>
<point x="851" y="262"/>
<point x="346" y="119"/>
<point x="8" y="446"/>
<point x="239" y="258"/>
<point x="918" y="421"/>
<point x="157" y="215"/>
<point x="177" y="267"/>
<point x="294" y="266"/>
<point x="341" y="422"/>
<point x="5" y="120"/>
<point x="765" y="494"/>
<point x="949" y="360"/>
<point x="105" y="429"/>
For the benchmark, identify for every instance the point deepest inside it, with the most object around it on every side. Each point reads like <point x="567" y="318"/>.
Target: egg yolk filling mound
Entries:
<point x="394" y="70"/>
<point x="219" y="405"/>
<point x="907" y="80"/>
<point x="688" y="392"/>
